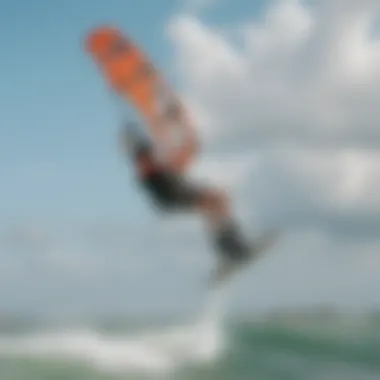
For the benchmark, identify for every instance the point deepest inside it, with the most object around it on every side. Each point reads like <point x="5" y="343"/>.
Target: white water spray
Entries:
<point x="155" y="352"/>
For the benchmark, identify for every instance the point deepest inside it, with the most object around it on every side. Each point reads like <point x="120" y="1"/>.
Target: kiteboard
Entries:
<point x="229" y="268"/>
<point x="132" y="76"/>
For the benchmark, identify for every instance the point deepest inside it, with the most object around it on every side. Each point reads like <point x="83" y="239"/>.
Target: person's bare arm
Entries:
<point x="180" y="154"/>
<point x="185" y="153"/>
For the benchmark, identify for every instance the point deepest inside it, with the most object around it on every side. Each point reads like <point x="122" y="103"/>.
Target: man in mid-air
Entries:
<point x="164" y="180"/>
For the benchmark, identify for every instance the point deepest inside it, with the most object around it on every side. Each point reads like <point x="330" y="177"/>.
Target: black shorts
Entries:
<point x="171" y="192"/>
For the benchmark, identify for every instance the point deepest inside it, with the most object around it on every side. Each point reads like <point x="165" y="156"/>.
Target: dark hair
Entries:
<point x="142" y="148"/>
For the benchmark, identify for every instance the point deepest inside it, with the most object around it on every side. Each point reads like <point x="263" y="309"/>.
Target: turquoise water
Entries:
<point x="206" y="348"/>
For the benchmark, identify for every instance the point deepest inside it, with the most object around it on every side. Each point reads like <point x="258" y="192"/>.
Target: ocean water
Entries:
<point x="206" y="347"/>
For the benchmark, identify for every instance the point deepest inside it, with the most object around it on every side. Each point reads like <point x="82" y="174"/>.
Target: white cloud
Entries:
<point x="298" y="97"/>
<point x="302" y="75"/>
<point x="311" y="268"/>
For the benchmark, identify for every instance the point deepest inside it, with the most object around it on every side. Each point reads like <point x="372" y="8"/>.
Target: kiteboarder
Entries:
<point x="168" y="186"/>
<point x="162" y="166"/>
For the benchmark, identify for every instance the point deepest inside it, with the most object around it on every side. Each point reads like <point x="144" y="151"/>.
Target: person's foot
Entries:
<point x="227" y="264"/>
<point x="231" y="245"/>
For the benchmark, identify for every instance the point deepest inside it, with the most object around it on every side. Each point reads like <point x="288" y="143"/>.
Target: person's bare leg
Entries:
<point x="215" y="206"/>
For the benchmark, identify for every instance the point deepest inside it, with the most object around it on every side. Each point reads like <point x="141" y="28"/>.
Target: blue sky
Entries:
<point x="61" y="169"/>
<point x="58" y="152"/>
